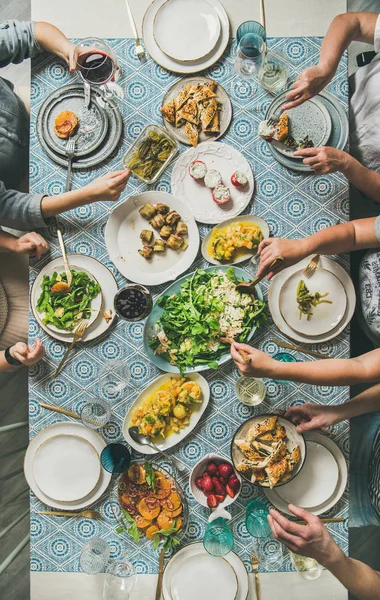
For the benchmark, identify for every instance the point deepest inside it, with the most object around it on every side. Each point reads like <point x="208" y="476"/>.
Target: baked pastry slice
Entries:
<point x="168" y="111"/>
<point x="191" y="132"/>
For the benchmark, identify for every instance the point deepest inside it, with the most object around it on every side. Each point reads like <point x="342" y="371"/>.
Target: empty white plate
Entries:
<point x="66" y="468"/>
<point x="204" y="576"/>
<point x="316" y="482"/>
<point x="186" y="31"/>
<point x="325" y="316"/>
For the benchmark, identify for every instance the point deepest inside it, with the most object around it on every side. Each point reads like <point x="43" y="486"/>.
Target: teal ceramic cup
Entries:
<point x="250" y="27"/>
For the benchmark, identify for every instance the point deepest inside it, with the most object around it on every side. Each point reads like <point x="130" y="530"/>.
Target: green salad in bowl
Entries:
<point x="185" y="329"/>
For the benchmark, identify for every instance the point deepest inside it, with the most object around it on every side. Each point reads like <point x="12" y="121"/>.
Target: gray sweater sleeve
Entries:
<point x="17" y="42"/>
<point x="19" y="210"/>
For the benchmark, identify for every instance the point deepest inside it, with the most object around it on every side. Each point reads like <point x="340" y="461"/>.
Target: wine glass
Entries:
<point x="307" y="567"/>
<point x="119" y="580"/>
<point x="97" y="66"/>
<point x="94" y="556"/>
<point x="274" y="72"/>
<point x="247" y="63"/>
<point x="269" y="552"/>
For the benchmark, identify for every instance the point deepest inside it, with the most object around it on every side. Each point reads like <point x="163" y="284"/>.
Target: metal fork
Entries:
<point x="70" y="153"/>
<point x="308" y="272"/>
<point x="139" y="50"/>
<point x="255" y="566"/>
<point x="78" y="334"/>
<point x="274" y="119"/>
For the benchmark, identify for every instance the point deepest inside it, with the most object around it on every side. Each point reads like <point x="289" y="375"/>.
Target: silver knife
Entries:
<point x="87" y="94"/>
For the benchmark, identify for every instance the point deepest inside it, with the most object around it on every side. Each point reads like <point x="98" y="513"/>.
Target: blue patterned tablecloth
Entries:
<point x="294" y="205"/>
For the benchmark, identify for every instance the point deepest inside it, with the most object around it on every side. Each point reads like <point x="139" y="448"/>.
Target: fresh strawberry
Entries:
<point x="212" y="469"/>
<point x="220" y="498"/>
<point x="225" y="469"/>
<point x="199" y="483"/>
<point x="220" y="489"/>
<point x="223" y="480"/>
<point x="212" y="501"/>
<point x="215" y="480"/>
<point x="229" y="491"/>
<point x="205" y="474"/>
<point x="234" y="483"/>
<point x="207" y="484"/>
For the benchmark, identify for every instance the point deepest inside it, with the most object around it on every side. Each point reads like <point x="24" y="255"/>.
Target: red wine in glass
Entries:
<point x="96" y="67"/>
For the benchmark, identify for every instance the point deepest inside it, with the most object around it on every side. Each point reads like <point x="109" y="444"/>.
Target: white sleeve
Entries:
<point x="377" y="35"/>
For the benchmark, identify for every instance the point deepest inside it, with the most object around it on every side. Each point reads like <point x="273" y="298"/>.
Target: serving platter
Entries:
<point x="197" y="196"/>
<point x="275" y="498"/>
<point x="122" y="236"/>
<point x="66" y="428"/>
<point x="174" y="438"/>
<point x="275" y="288"/>
<point x="220" y="575"/>
<point x="108" y="288"/>
<point x="176" y="66"/>
<point x="150" y="324"/>
<point x="186" y="31"/>
<point x="242" y="254"/>
<point x="225" y="113"/>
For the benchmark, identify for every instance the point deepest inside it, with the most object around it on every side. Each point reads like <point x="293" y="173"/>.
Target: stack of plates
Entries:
<point x="183" y="36"/>
<point x="321" y="482"/>
<point x="328" y="320"/>
<point x="62" y="466"/>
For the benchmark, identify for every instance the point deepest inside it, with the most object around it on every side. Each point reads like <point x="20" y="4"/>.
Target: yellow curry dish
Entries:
<point x="168" y="408"/>
<point x="226" y="243"/>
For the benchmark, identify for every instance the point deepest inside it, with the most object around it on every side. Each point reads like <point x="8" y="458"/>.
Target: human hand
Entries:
<point x="309" y="83"/>
<point x="28" y="355"/>
<point x="108" y="187"/>
<point x="31" y="243"/>
<point x="270" y="248"/>
<point x="324" y="159"/>
<point x="258" y="364"/>
<point x="314" y="416"/>
<point x="311" y="539"/>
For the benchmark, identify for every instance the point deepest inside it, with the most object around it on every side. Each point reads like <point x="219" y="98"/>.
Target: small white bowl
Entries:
<point x="199" y="496"/>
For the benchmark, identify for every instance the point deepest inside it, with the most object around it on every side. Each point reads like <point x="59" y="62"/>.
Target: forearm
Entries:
<point x="363" y="179"/>
<point x="54" y="205"/>
<point x="331" y="240"/>
<point x="366" y="402"/>
<point x="52" y="39"/>
<point x="7" y="242"/>
<point x="4" y="365"/>
<point x="359" y="579"/>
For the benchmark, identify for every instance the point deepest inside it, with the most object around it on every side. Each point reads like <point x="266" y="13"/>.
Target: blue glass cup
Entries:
<point x="250" y="27"/>
<point x="256" y="520"/>
<point x="115" y="458"/>
<point x="218" y="539"/>
<point x="284" y="357"/>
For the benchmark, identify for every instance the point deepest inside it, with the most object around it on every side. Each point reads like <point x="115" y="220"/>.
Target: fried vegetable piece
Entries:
<point x="163" y="487"/>
<point x="146" y="251"/>
<point x="165" y="231"/>
<point x="151" y="532"/>
<point x="146" y="236"/>
<point x="59" y="287"/>
<point x="65" y="124"/>
<point x="158" y="221"/>
<point x="162" y="208"/>
<point x="142" y="523"/>
<point x="174" y="241"/>
<point x="172" y="218"/>
<point x="159" y="246"/>
<point x="181" y="228"/>
<point x="164" y="522"/>
<point x="137" y="474"/>
<point x="282" y="127"/>
<point x="147" y="211"/>
<point x="149" y="508"/>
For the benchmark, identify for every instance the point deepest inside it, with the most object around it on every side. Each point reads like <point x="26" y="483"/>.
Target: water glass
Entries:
<point x="307" y="567"/>
<point x="218" y="539"/>
<point x="94" y="556"/>
<point x="119" y="580"/>
<point x="256" y="520"/>
<point x="250" y="391"/>
<point x="114" y="377"/>
<point x="274" y="73"/>
<point x="250" y="27"/>
<point x="284" y="357"/>
<point x="249" y="56"/>
<point x="269" y="552"/>
<point x="95" y="413"/>
<point x="115" y="458"/>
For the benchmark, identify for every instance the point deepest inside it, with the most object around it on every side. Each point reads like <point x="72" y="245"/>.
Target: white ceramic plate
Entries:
<point x="175" y="438"/>
<point x="216" y="585"/>
<point x="66" y="468"/>
<point x="95" y="304"/>
<point x="186" y="31"/>
<point x="197" y="196"/>
<point x="310" y="118"/>
<point x="108" y="286"/>
<point x="225" y="112"/>
<point x="275" y="289"/>
<point x="66" y="428"/>
<point x="122" y="235"/>
<point x="169" y="63"/>
<point x="325" y="316"/>
<point x="242" y="254"/>
<point x="316" y="482"/>
<point x="311" y="436"/>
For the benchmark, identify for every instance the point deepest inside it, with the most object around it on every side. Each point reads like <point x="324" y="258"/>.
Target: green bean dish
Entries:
<point x="306" y="300"/>
<point x="150" y="155"/>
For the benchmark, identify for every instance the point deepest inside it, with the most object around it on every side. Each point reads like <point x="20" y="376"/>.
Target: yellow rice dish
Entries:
<point x="168" y="408"/>
<point x="226" y="243"/>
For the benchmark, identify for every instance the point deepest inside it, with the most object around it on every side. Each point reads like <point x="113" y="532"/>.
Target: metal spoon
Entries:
<point x="145" y="441"/>
<point x="248" y="287"/>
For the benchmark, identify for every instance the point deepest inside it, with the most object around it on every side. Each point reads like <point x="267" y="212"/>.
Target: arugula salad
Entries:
<point x="208" y="308"/>
<point x="64" y="306"/>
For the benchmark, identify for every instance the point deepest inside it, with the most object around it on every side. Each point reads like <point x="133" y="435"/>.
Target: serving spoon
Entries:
<point x="145" y="441"/>
<point x="248" y="287"/>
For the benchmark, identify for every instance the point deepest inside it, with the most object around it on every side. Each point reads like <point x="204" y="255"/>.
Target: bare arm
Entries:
<point x="344" y="29"/>
<point x="53" y="40"/>
<point x="354" y="235"/>
<point x="336" y="371"/>
<point x="27" y="355"/>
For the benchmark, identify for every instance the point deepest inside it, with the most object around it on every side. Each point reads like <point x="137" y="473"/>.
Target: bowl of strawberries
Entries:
<point x="214" y="482"/>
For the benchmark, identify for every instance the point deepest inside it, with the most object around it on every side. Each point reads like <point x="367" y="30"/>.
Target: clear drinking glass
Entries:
<point x="273" y="75"/>
<point x="119" y="580"/>
<point x="269" y="552"/>
<point x="95" y="413"/>
<point x="218" y="539"/>
<point x="250" y="391"/>
<point x="114" y="377"/>
<point x="307" y="567"/>
<point x="115" y="458"/>
<point x="94" y="556"/>
<point x="256" y="521"/>
<point x="248" y="61"/>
